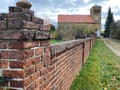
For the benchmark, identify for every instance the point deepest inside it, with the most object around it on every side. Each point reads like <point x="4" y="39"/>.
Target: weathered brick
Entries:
<point x="46" y="57"/>
<point x="45" y="84"/>
<point x="16" y="64"/>
<point x="30" y="25"/>
<point x="38" y="88"/>
<point x="29" y="71"/>
<point x="32" y="61"/>
<point x="31" y="44"/>
<point x="44" y="71"/>
<point x="24" y="64"/>
<point x="31" y="87"/>
<point x="27" y="11"/>
<point x="45" y="43"/>
<point x="39" y="81"/>
<point x="53" y="75"/>
<point x="18" y="16"/>
<point x="12" y="54"/>
<point x="23" y="35"/>
<point x="47" y="63"/>
<point x="52" y="87"/>
<point x="42" y="35"/>
<point x="3" y="45"/>
<point x="14" y="73"/>
<point x="16" y="45"/>
<point x="15" y="9"/>
<point x="47" y="87"/>
<point x="12" y="35"/>
<point x="37" y="20"/>
<point x="39" y="66"/>
<point x="3" y="24"/>
<point x="52" y="68"/>
<point x="39" y="51"/>
<point x="54" y="81"/>
<point x="17" y="54"/>
<point x="22" y="24"/>
<point x="19" y="9"/>
<point x="17" y="24"/>
<point x="47" y="76"/>
<point x="27" y="81"/>
<point x="54" y="61"/>
<point x="3" y="64"/>
<point x="44" y="27"/>
<point x="47" y="49"/>
<point x="58" y="63"/>
<point x="18" y="84"/>
<point x="2" y="16"/>
<point x="35" y="76"/>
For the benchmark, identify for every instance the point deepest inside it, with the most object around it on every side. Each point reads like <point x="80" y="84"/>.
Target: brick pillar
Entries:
<point x="24" y="50"/>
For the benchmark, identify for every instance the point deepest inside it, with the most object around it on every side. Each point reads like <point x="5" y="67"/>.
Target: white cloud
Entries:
<point x="117" y="17"/>
<point x="114" y="4"/>
<point x="54" y="7"/>
<point x="86" y="1"/>
<point x="9" y="1"/>
<point x="73" y="1"/>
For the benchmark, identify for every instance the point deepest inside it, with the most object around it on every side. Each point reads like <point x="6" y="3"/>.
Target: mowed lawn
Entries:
<point x="53" y="41"/>
<point x="101" y="71"/>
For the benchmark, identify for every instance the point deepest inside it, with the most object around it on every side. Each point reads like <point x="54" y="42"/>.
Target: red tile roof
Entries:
<point x="76" y="18"/>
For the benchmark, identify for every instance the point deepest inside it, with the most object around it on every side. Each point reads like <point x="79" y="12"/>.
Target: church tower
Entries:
<point x="95" y="12"/>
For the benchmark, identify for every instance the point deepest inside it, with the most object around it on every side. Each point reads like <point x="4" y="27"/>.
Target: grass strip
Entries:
<point x="101" y="71"/>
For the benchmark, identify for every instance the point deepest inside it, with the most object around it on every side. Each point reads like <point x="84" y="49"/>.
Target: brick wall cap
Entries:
<point x="24" y="4"/>
<point x="57" y="48"/>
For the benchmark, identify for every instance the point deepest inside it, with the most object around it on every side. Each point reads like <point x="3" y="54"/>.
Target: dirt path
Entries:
<point x="113" y="44"/>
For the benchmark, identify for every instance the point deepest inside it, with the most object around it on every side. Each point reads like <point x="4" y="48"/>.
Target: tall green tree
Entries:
<point x="115" y="30"/>
<point x="109" y="20"/>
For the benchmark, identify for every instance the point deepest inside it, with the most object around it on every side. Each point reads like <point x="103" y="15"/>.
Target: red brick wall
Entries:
<point x="38" y="66"/>
<point x="26" y="63"/>
<point x="27" y="60"/>
<point x="66" y="61"/>
<point x="64" y="67"/>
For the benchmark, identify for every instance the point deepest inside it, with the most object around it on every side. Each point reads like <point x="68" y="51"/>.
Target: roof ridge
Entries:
<point x="76" y="18"/>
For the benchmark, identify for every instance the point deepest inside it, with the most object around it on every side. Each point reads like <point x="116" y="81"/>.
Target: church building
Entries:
<point x="92" y="21"/>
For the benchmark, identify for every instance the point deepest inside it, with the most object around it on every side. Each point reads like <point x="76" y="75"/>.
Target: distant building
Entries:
<point x="90" y="21"/>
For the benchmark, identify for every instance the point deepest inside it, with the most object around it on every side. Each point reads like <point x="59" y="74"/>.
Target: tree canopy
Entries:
<point x="115" y="30"/>
<point x="109" y="20"/>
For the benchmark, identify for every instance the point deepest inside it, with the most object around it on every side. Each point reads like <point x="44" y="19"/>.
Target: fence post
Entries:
<point x="83" y="57"/>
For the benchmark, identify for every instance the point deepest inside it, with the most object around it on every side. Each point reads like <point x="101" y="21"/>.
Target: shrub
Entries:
<point x="80" y="34"/>
<point x="58" y="36"/>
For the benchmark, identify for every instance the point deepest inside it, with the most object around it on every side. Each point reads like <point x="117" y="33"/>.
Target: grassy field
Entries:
<point x="101" y="71"/>
<point x="53" y="41"/>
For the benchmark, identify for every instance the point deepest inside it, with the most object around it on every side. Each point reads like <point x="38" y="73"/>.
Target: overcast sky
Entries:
<point x="51" y="8"/>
